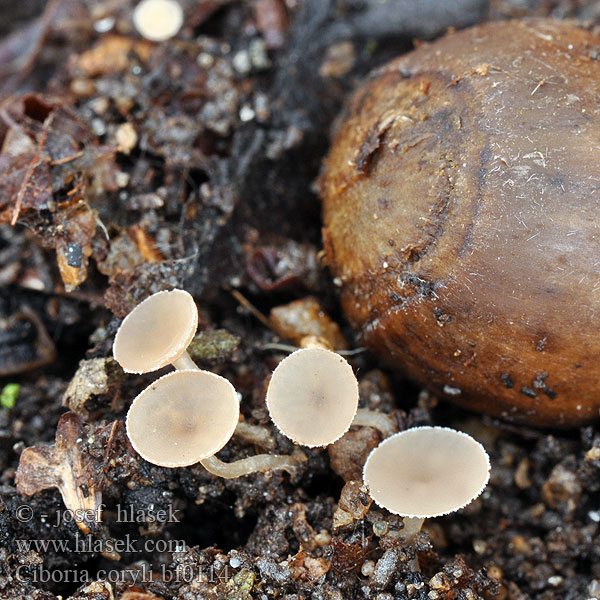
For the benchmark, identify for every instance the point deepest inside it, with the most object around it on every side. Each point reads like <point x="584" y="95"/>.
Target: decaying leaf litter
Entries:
<point x="129" y="167"/>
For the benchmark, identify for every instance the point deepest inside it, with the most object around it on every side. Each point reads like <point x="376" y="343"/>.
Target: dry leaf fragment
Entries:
<point x="304" y="533"/>
<point x="346" y="557"/>
<point x="38" y="196"/>
<point x="62" y="466"/>
<point x="308" y="568"/>
<point x="145" y="244"/>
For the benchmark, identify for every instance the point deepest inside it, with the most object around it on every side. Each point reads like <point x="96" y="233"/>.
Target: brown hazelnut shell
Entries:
<point x="461" y="202"/>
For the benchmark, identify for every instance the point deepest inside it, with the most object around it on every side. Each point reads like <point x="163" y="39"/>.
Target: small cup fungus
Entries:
<point x="186" y="417"/>
<point x="426" y="472"/>
<point x="158" y="20"/>
<point x="313" y="396"/>
<point x="157" y="332"/>
<point x="182" y="418"/>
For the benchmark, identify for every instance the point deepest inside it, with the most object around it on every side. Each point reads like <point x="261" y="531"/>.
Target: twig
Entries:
<point x="66" y="159"/>
<point x="250" y="307"/>
<point x="108" y="445"/>
<point x="290" y="348"/>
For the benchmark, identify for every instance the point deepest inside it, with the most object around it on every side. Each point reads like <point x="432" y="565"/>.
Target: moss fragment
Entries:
<point x="217" y="343"/>
<point x="240" y="585"/>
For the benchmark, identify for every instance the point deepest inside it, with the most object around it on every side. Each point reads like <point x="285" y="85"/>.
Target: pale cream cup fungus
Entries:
<point x="158" y="20"/>
<point x="157" y="332"/>
<point x="182" y="418"/>
<point x="312" y="396"/>
<point x="186" y="417"/>
<point x="426" y="472"/>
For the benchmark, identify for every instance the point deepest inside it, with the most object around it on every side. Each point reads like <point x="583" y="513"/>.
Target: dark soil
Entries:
<point x="133" y="168"/>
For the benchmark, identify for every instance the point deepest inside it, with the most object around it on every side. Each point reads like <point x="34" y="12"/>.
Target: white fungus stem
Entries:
<point x="371" y="418"/>
<point x="277" y="346"/>
<point x="252" y="464"/>
<point x="185" y="363"/>
<point x="412" y="526"/>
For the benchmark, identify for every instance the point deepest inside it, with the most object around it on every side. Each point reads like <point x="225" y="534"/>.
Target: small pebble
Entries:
<point x="594" y="588"/>
<point x="367" y="568"/>
<point x="98" y="127"/>
<point x="380" y="528"/>
<point x="241" y="62"/>
<point x="593" y="454"/>
<point x="205" y="60"/>
<point x="104" y="25"/>
<point x="126" y="137"/>
<point x="246" y="113"/>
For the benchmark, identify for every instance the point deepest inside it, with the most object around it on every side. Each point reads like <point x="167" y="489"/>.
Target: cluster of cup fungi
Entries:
<point x="187" y="416"/>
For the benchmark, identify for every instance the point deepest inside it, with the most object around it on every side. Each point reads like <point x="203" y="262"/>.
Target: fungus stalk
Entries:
<point x="185" y="363"/>
<point x="253" y="464"/>
<point x="378" y="420"/>
<point x="412" y="526"/>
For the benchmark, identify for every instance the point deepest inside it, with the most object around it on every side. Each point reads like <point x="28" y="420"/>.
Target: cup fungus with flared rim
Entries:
<point x="183" y="417"/>
<point x="157" y="332"/>
<point x="158" y="20"/>
<point x="426" y="472"/>
<point x="186" y="417"/>
<point x="313" y="396"/>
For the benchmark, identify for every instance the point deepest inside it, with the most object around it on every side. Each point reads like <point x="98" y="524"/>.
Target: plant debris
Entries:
<point x="62" y="466"/>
